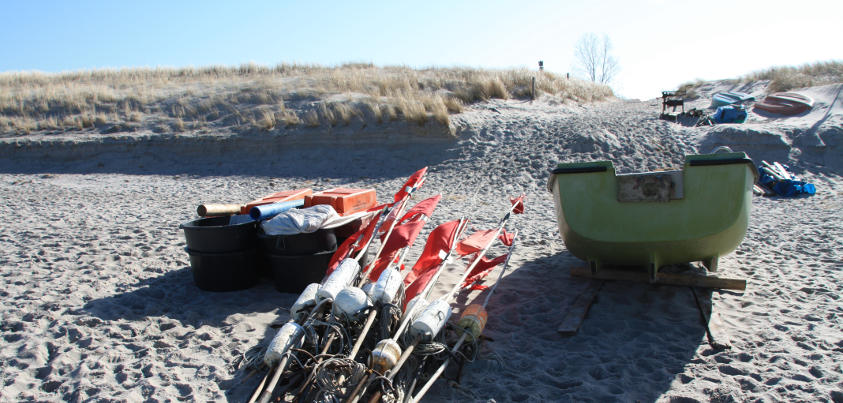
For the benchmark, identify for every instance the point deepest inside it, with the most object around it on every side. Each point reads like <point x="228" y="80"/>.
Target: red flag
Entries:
<point x="410" y="225"/>
<point x="437" y="246"/>
<point x="424" y="207"/>
<point x="475" y="242"/>
<point x="506" y="237"/>
<point x="415" y="180"/>
<point x="379" y="265"/>
<point x="388" y="220"/>
<point x="518" y="202"/>
<point x="482" y="269"/>
<point x="344" y="250"/>
<point x="402" y="235"/>
<point x="417" y="286"/>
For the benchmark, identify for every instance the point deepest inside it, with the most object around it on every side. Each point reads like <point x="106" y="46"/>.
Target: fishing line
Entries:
<point x="296" y="359"/>
<point x="252" y="358"/>
<point x="329" y="372"/>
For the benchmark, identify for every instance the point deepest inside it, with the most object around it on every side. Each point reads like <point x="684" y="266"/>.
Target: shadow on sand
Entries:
<point x="248" y="156"/>
<point x="634" y="342"/>
<point x="174" y="295"/>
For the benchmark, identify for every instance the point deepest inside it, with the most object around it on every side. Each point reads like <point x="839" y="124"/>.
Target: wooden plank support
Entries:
<point x="681" y="279"/>
<point x="718" y="330"/>
<point x="579" y="308"/>
<point x="714" y="331"/>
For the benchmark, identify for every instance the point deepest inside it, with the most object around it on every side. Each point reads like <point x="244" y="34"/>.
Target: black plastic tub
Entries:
<point x="228" y="271"/>
<point x="216" y="235"/>
<point x="298" y="244"/>
<point x="347" y="230"/>
<point x="293" y="273"/>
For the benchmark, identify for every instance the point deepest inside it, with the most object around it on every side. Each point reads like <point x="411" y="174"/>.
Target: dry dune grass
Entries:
<point x="809" y="75"/>
<point x="785" y="78"/>
<point x="260" y="98"/>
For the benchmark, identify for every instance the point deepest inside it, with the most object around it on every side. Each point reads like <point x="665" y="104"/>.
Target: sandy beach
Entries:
<point x="99" y="302"/>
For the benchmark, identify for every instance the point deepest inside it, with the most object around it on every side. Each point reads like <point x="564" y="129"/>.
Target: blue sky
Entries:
<point x="659" y="44"/>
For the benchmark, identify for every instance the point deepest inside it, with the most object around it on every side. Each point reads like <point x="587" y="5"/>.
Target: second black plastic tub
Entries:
<point x="299" y="244"/>
<point x="292" y="273"/>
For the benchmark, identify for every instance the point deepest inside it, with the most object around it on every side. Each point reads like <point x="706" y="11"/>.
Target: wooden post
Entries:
<point x="533" y="90"/>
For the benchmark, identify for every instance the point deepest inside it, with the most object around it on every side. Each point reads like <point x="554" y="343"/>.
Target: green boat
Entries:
<point x="658" y="218"/>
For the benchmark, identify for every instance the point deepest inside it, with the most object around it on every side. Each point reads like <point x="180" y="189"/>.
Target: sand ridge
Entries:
<point x="99" y="302"/>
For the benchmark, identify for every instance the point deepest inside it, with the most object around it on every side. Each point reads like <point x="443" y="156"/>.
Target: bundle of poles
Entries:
<point x="374" y="333"/>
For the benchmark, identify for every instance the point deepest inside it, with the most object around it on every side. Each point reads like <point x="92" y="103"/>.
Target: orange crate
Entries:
<point x="283" y="196"/>
<point x="344" y="200"/>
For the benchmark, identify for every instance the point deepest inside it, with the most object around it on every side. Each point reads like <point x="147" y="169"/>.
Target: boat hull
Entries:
<point x="730" y="98"/>
<point x="705" y="216"/>
<point x="785" y="103"/>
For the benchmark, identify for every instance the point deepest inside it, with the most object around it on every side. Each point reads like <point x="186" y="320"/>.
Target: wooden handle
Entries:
<point x="210" y="210"/>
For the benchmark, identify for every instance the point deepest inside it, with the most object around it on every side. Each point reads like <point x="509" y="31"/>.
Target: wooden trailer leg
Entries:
<point x="711" y="263"/>
<point x="653" y="269"/>
<point x="594" y="265"/>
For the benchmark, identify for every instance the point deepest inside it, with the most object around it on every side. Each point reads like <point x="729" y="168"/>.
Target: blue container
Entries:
<point x="267" y="211"/>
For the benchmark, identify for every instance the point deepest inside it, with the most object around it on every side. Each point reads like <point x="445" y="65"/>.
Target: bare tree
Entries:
<point x="595" y="59"/>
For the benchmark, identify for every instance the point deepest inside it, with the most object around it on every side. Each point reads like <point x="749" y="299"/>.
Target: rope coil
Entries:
<point x="331" y="371"/>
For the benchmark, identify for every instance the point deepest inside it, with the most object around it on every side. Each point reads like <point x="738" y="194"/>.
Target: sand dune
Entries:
<point x="99" y="304"/>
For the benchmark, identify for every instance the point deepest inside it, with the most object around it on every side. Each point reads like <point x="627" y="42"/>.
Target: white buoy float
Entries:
<point x="306" y="301"/>
<point x="387" y="286"/>
<point x="341" y="277"/>
<point x="430" y="321"/>
<point x="350" y="304"/>
<point x="291" y="335"/>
